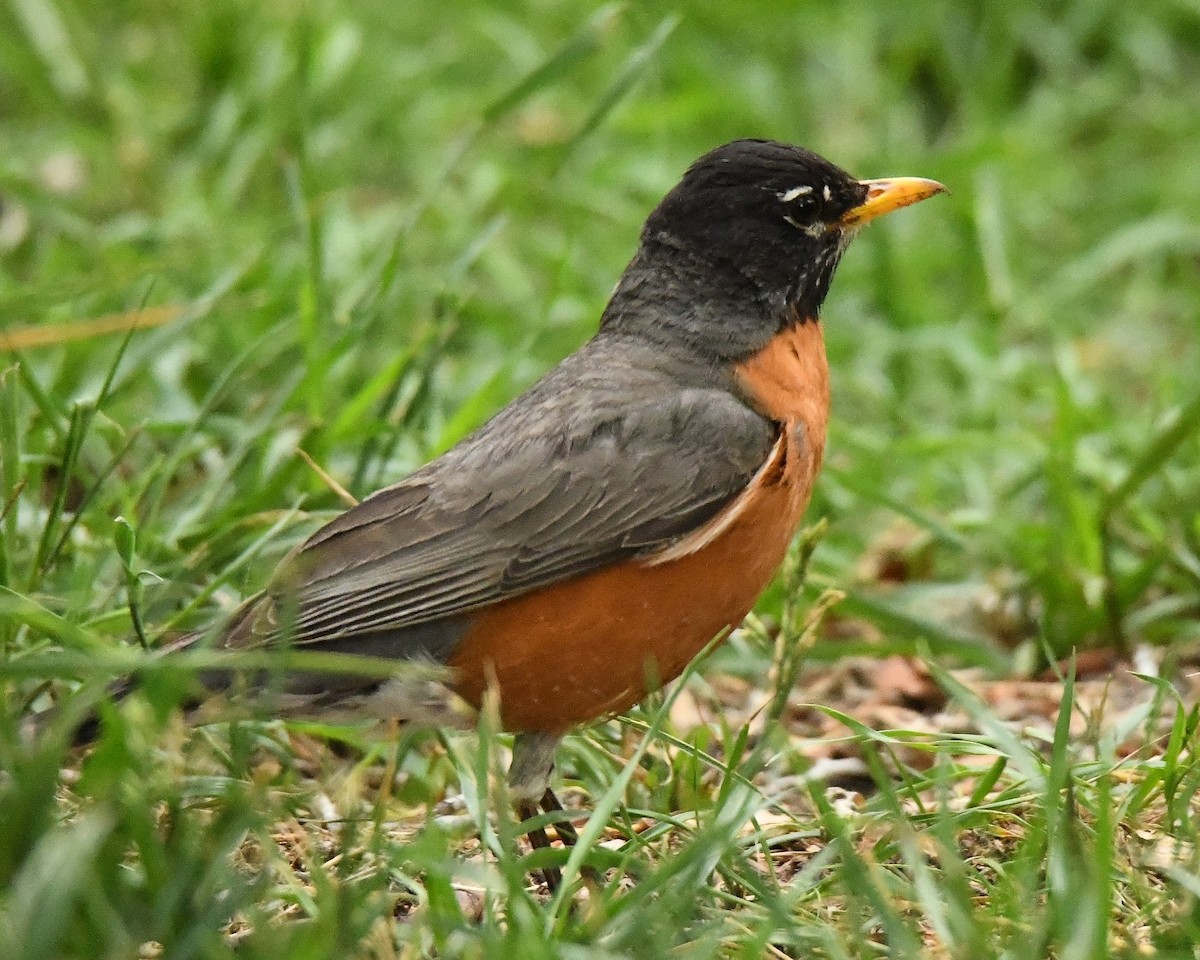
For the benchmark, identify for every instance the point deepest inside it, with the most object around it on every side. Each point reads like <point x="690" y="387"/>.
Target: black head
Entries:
<point x="770" y="212"/>
<point x="774" y="217"/>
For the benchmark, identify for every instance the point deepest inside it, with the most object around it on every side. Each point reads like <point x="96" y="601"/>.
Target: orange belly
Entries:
<point x="596" y="644"/>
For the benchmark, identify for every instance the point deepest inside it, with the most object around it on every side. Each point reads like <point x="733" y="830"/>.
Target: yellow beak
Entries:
<point x="884" y="196"/>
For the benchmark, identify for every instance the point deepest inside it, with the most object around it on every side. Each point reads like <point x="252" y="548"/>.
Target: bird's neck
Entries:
<point x="683" y="303"/>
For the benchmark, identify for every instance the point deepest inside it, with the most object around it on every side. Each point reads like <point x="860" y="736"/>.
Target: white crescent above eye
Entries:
<point x="795" y="192"/>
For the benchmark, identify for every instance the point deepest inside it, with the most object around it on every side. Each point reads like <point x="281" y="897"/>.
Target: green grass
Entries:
<point x="373" y="223"/>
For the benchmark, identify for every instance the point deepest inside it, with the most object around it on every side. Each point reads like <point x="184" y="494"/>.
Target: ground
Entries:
<point x="962" y="722"/>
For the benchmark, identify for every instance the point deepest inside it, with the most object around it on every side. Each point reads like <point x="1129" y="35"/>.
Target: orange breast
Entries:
<point x="789" y="382"/>
<point x="598" y="643"/>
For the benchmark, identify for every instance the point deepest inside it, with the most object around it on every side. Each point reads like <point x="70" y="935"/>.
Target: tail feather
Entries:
<point x="88" y="730"/>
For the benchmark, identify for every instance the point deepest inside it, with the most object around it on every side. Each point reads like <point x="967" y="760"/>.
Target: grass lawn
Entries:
<point x="350" y="231"/>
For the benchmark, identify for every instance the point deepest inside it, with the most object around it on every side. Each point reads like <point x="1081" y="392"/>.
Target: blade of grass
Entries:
<point x="81" y="418"/>
<point x="1021" y="756"/>
<point x="51" y="881"/>
<point x="47" y="33"/>
<point x="10" y="482"/>
<point x="626" y="79"/>
<point x="24" y="338"/>
<point x="1166" y="439"/>
<point x="586" y="41"/>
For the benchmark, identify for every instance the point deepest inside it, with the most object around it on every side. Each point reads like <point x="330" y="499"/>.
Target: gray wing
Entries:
<point x="566" y="480"/>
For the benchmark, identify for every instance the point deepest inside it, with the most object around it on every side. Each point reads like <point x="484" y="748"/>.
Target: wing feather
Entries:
<point x="511" y="510"/>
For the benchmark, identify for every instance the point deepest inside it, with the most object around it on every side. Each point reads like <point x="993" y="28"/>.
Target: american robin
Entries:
<point x="593" y="536"/>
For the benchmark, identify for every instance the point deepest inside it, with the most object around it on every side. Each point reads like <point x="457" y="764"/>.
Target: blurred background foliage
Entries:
<point x="361" y="227"/>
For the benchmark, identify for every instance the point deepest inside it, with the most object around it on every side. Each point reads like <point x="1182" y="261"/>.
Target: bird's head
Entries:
<point x="773" y="217"/>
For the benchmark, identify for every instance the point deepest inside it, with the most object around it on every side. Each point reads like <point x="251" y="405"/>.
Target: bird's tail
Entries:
<point x="88" y="728"/>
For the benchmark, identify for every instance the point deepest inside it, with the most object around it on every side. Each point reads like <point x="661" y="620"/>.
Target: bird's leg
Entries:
<point x="569" y="836"/>
<point x="538" y="840"/>
<point x="564" y="828"/>
<point x="529" y="782"/>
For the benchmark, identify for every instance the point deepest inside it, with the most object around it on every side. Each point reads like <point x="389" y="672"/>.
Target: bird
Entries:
<point x="580" y="548"/>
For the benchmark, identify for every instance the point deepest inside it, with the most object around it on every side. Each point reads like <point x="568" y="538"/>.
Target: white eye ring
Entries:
<point x="827" y="194"/>
<point x="812" y="229"/>
<point x="795" y="192"/>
